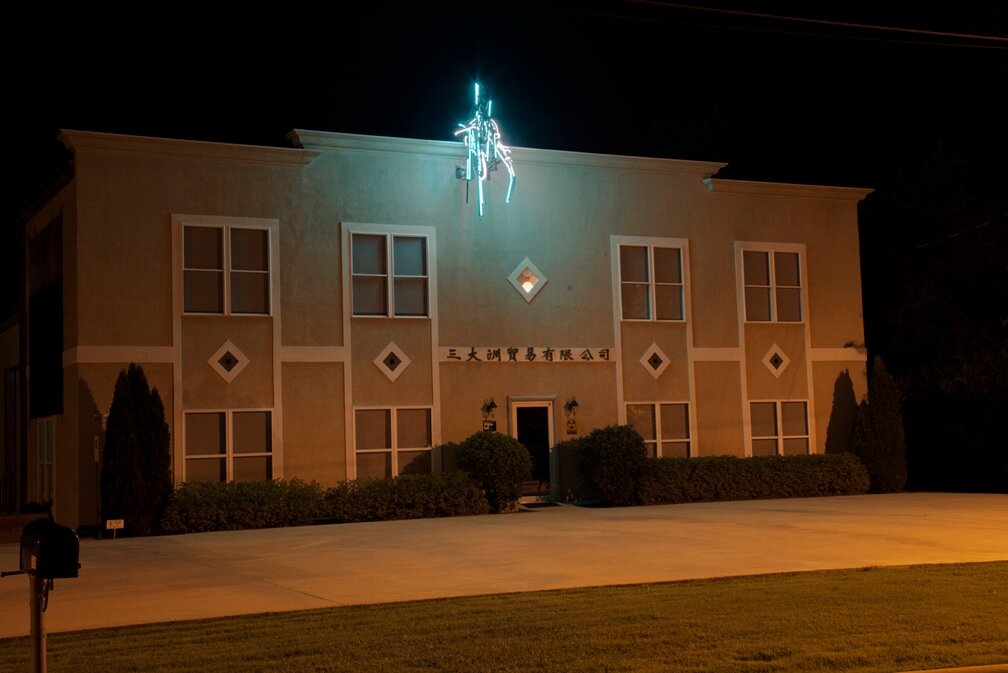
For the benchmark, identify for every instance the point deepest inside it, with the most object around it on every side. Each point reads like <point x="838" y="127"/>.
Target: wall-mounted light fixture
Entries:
<point x="488" y="408"/>
<point x="570" y="406"/>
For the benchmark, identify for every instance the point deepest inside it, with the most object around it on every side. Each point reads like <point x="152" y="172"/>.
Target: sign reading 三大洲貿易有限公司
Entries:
<point x="526" y="354"/>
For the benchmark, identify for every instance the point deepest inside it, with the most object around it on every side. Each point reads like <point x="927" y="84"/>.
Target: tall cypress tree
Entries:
<point x="136" y="461"/>
<point x="878" y="432"/>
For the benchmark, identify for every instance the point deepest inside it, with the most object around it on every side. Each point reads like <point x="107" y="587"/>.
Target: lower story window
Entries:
<point x="228" y="445"/>
<point x="779" y="428"/>
<point x="664" y="426"/>
<point x="392" y="441"/>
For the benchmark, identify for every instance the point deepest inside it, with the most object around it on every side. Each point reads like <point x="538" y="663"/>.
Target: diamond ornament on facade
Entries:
<point x="776" y="361"/>
<point x="228" y="361"/>
<point x="392" y="362"/>
<point x="654" y="361"/>
<point x="527" y="279"/>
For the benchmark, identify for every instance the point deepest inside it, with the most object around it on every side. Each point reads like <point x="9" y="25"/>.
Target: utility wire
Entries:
<point x="822" y="22"/>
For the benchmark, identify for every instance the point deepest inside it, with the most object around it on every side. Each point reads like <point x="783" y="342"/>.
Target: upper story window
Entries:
<point x="651" y="282"/>
<point x="389" y="275"/>
<point x="226" y="270"/>
<point x="772" y="286"/>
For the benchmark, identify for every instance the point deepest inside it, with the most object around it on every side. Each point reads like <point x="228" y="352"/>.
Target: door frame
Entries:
<point x="516" y="402"/>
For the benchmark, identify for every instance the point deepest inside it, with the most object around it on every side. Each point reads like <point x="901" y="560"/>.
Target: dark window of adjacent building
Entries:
<point x="45" y="321"/>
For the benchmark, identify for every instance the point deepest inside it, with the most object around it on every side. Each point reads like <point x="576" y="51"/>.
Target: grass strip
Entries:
<point x="874" y="619"/>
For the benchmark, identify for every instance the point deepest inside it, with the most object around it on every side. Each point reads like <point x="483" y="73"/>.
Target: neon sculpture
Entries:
<point x="484" y="149"/>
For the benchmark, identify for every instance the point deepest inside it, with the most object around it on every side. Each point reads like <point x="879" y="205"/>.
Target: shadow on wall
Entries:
<point x="90" y="439"/>
<point x="842" y="415"/>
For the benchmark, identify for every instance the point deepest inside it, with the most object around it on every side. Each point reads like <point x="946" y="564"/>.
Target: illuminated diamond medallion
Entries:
<point x="527" y="279"/>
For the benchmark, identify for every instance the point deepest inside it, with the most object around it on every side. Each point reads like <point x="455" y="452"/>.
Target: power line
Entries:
<point x="995" y="42"/>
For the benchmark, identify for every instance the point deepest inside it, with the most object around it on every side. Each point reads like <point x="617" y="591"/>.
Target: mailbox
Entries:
<point x="49" y="550"/>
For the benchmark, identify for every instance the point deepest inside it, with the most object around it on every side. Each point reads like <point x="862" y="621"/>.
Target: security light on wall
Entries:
<point x="570" y="406"/>
<point x="488" y="408"/>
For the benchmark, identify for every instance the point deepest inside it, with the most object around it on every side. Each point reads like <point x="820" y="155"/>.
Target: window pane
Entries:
<point x="675" y="449"/>
<point x="633" y="264"/>
<point x="369" y="296"/>
<point x="374" y="428"/>
<point x="409" y="256"/>
<point x="764" y="447"/>
<point x="794" y="420"/>
<point x="756" y="267"/>
<point x="641" y="418"/>
<point x="652" y="449"/>
<point x="764" y="419"/>
<point x="675" y="421"/>
<point x="635" y="301"/>
<point x="252" y="432"/>
<point x="667" y="265"/>
<point x="414" y="462"/>
<point x="789" y="304"/>
<point x="249" y="292"/>
<point x="205" y="469"/>
<point x="795" y="447"/>
<point x="203" y="248"/>
<point x="786" y="269"/>
<point x="411" y="296"/>
<point x="253" y="468"/>
<point x="413" y="428"/>
<point x="368" y="254"/>
<point x="204" y="433"/>
<point x="250" y="249"/>
<point x="204" y="292"/>
<point x="757" y="303"/>
<point x="374" y="465"/>
<point x="668" y="302"/>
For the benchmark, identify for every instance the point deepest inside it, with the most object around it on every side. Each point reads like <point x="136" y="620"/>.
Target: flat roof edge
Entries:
<point x="725" y="186"/>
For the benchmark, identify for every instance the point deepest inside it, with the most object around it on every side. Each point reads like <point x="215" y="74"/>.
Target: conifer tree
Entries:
<point x="136" y="460"/>
<point x="878" y="432"/>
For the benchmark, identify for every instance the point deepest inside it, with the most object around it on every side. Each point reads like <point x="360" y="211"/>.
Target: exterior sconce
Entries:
<point x="570" y="411"/>
<point x="488" y="408"/>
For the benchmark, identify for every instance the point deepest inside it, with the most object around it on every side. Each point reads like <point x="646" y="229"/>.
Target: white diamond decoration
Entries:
<point x="527" y="279"/>
<point x="776" y="361"/>
<point x="654" y="361"/>
<point x="392" y="361"/>
<point x="228" y="361"/>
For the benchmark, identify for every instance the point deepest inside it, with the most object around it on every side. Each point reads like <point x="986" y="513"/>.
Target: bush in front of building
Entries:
<point x="409" y="496"/>
<point x="136" y="459"/>
<point x="878" y="437"/>
<point x="197" y="507"/>
<point x="498" y="464"/>
<point x="614" y="463"/>
<point x="716" y="478"/>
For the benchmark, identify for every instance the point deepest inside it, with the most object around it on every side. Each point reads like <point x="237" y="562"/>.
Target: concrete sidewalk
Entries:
<point x="133" y="581"/>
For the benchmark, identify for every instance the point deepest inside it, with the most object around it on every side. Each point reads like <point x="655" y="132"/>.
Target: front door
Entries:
<point x="532" y="425"/>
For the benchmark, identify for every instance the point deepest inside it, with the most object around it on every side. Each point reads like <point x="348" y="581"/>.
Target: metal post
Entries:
<point x="38" y="593"/>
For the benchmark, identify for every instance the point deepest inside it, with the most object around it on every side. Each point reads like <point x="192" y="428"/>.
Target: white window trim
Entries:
<point x="652" y="283"/>
<point x="226" y="224"/>
<point x="229" y="453"/>
<point x="394" y="436"/>
<point x="770" y="248"/>
<point x="780" y="437"/>
<point x="658" y="440"/>
<point x="389" y="232"/>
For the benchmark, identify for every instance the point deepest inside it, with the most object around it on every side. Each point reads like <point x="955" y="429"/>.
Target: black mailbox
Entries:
<point x="49" y="550"/>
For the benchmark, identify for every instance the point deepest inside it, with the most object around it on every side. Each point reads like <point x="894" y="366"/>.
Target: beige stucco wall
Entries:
<point x="564" y="211"/>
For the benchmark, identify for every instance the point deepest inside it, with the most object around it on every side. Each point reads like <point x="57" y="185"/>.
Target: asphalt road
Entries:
<point x="142" y="580"/>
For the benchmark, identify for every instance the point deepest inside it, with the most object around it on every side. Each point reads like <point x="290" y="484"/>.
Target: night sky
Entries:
<point x="778" y="99"/>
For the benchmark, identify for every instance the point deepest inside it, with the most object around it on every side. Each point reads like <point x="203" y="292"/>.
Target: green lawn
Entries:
<point x="877" y="619"/>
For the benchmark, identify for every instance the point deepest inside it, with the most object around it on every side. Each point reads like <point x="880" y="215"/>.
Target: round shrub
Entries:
<point x="614" y="462"/>
<point x="498" y="464"/>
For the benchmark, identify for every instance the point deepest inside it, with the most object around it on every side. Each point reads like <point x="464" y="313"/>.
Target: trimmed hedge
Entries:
<point x="498" y="464"/>
<point x="410" y="496"/>
<point x="677" y="480"/>
<point x="199" y="507"/>
<point x="615" y="461"/>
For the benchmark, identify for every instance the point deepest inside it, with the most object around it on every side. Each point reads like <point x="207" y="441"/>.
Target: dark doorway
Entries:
<point x="532" y="424"/>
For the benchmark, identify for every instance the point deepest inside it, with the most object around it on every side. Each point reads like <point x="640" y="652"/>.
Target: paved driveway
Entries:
<point x="132" y="581"/>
